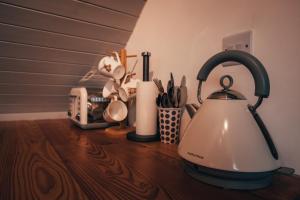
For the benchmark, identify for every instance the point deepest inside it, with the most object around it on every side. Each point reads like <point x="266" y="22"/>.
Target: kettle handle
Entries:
<point x="263" y="128"/>
<point x="261" y="79"/>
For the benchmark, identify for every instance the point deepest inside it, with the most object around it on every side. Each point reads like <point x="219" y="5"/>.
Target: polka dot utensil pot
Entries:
<point x="169" y="124"/>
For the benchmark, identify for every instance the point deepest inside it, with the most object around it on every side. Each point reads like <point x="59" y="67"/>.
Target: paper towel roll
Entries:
<point x="146" y="110"/>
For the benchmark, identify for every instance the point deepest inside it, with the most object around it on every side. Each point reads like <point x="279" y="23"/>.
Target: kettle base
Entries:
<point x="229" y="179"/>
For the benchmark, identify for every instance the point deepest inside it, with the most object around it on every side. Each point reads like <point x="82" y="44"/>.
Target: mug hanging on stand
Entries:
<point x="110" y="88"/>
<point x="128" y="88"/>
<point x="112" y="67"/>
<point x="116" y="111"/>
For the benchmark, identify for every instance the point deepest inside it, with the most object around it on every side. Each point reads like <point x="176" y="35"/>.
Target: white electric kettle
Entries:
<point x="226" y="142"/>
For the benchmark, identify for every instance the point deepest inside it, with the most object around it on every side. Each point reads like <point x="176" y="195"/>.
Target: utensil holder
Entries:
<point x="169" y="124"/>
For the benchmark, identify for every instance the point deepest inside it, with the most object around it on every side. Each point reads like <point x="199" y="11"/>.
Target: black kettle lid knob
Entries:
<point x="226" y="82"/>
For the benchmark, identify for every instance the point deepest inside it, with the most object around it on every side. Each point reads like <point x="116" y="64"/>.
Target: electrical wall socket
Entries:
<point x="241" y="41"/>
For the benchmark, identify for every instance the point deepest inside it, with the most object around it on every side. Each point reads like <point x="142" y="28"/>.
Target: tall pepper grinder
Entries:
<point x="146" y="110"/>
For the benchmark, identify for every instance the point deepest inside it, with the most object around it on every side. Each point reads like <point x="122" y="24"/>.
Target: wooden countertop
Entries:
<point x="53" y="159"/>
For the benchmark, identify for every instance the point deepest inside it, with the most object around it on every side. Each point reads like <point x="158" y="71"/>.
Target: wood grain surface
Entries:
<point x="53" y="159"/>
<point x="33" y="170"/>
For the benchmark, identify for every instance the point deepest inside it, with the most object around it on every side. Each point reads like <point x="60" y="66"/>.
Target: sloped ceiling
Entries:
<point x="46" y="46"/>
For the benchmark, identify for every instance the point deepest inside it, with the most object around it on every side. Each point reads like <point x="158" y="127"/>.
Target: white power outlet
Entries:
<point x="241" y="41"/>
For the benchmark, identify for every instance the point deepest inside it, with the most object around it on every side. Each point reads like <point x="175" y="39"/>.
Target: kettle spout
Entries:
<point x="191" y="109"/>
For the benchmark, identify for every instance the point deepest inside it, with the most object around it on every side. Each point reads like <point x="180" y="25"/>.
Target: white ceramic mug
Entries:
<point x="110" y="88"/>
<point x="111" y="66"/>
<point x="116" y="111"/>
<point x="128" y="88"/>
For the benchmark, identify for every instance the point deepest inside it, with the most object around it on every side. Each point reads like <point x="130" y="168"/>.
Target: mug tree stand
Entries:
<point x="122" y="128"/>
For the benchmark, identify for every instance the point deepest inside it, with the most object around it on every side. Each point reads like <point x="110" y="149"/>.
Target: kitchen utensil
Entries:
<point x="183" y="97"/>
<point x="178" y="97"/>
<point x="175" y="97"/>
<point x="183" y="81"/>
<point x="169" y="85"/>
<point x="183" y="92"/>
<point x="170" y="92"/>
<point x="226" y="142"/>
<point x="172" y="79"/>
<point x="158" y="100"/>
<point x="159" y="85"/>
<point x="111" y="66"/>
<point x="165" y="102"/>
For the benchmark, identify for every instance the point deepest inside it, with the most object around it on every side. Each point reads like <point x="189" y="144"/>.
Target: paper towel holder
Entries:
<point x="133" y="135"/>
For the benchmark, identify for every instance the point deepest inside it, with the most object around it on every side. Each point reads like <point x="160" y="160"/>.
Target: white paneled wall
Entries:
<point x="47" y="45"/>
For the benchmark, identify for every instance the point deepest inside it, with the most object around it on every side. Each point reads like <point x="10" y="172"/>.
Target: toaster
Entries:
<point x="86" y="108"/>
